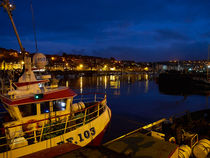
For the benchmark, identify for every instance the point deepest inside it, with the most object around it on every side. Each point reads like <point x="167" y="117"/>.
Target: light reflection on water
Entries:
<point x="138" y="96"/>
<point x="81" y="84"/>
<point x="105" y="82"/>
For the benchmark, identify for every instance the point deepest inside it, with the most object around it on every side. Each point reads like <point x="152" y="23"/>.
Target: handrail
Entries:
<point x="135" y="131"/>
<point x="90" y="93"/>
<point x="35" y="121"/>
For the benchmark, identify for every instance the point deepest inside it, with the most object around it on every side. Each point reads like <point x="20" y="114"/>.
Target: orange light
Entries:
<point x="146" y="68"/>
<point x="112" y="68"/>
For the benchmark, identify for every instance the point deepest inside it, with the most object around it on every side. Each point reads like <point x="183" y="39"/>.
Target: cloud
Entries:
<point x="206" y="35"/>
<point x="177" y="50"/>
<point x="130" y="53"/>
<point x="193" y="51"/>
<point x="169" y="35"/>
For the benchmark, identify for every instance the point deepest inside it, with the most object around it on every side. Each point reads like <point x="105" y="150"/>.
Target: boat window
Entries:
<point x="45" y="107"/>
<point x="59" y="105"/>
<point x="27" y="110"/>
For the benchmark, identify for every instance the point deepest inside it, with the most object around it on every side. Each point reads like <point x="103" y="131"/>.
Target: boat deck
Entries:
<point x="134" y="145"/>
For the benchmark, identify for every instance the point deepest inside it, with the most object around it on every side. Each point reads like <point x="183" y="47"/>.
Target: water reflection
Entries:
<point x="129" y="79"/>
<point x="139" y="77"/>
<point x="146" y="86"/>
<point x="81" y="84"/>
<point x="112" y="77"/>
<point x="116" y="83"/>
<point x="105" y="82"/>
<point x="146" y="76"/>
<point x="137" y="95"/>
<point x="97" y="84"/>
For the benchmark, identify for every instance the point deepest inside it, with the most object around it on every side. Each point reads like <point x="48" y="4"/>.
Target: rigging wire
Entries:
<point x="34" y="26"/>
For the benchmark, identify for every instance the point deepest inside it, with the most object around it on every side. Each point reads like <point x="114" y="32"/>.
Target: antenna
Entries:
<point x="34" y="26"/>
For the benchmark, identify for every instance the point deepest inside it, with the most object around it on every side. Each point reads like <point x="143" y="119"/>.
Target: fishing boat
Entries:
<point x="44" y="119"/>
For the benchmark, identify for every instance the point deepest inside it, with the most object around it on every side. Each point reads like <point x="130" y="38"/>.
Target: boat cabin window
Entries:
<point x="27" y="110"/>
<point x="59" y="105"/>
<point x="45" y="107"/>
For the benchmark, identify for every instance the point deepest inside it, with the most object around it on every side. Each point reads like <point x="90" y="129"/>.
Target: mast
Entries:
<point x="9" y="8"/>
<point x="34" y="27"/>
<point x="207" y="77"/>
<point x="26" y="76"/>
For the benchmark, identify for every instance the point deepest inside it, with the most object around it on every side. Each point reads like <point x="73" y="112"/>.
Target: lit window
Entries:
<point x="59" y="105"/>
<point x="45" y="107"/>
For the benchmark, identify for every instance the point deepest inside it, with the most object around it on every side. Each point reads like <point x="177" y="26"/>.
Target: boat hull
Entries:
<point x="90" y="133"/>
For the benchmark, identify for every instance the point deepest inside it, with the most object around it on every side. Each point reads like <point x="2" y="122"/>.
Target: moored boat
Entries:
<point x="181" y="136"/>
<point x="36" y="124"/>
<point x="45" y="118"/>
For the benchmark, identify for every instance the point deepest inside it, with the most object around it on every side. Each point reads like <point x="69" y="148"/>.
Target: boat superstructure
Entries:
<point x="54" y="119"/>
<point x="43" y="117"/>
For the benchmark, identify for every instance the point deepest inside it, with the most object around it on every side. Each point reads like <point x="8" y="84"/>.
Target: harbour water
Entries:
<point x="135" y="100"/>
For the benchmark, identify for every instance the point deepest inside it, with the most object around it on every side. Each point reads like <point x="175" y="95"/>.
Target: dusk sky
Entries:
<point x="140" y="30"/>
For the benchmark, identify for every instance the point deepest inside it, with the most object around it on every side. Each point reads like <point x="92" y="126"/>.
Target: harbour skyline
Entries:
<point x="137" y="30"/>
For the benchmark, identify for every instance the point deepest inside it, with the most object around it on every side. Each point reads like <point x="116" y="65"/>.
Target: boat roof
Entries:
<point x="58" y="93"/>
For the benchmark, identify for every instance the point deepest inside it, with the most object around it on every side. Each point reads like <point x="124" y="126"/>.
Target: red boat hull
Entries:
<point x="64" y="148"/>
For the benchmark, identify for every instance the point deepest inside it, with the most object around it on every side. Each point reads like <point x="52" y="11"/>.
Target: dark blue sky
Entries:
<point x="140" y="30"/>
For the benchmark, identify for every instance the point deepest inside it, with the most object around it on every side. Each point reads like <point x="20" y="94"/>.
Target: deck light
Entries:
<point x="63" y="104"/>
<point x="38" y="96"/>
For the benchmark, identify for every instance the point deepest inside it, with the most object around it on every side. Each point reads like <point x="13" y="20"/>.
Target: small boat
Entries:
<point x="44" y="119"/>
<point x="190" y="132"/>
<point x="180" y="136"/>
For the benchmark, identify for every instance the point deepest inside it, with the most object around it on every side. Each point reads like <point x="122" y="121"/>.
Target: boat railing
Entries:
<point x="89" y="96"/>
<point x="146" y="127"/>
<point x="40" y="130"/>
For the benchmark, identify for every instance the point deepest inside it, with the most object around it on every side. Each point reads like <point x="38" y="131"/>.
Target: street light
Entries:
<point x="81" y="65"/>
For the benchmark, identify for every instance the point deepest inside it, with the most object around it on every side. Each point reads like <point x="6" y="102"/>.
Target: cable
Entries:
<point x="34" y="27"/>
